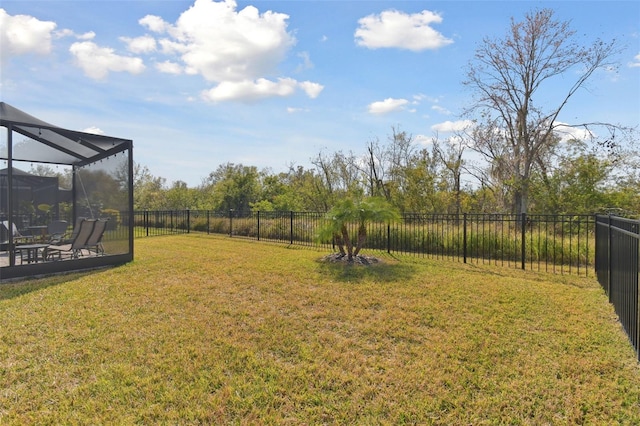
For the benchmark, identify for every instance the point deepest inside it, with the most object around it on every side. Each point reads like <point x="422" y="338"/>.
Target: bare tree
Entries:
<point x="450" y="154"/>
<point x="400" y="153"/>
<point x="508" y="74"/>
<point x="375" y="171"/>
<point x="340" y="175"/>
<point x="384" y="166"/>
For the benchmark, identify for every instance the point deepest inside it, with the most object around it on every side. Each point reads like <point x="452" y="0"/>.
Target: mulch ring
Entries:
<point x="355" y="260"/>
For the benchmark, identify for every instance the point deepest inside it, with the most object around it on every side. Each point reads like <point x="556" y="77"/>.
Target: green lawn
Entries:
<point x="210" y="330"/>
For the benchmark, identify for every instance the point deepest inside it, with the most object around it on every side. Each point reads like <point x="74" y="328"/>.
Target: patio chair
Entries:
<point x="67" y="238"/>
<point x="94" y="242"/>
<point x="56" y="231"/>
<point x="73" y="249"/>
<point x="17" y="236"/>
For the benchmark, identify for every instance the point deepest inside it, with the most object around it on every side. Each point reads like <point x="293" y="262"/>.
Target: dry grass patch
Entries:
<point x="213" y="330"/>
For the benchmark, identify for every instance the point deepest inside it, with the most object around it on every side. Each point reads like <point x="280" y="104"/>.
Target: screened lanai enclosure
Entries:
<point x="66" y="198"/>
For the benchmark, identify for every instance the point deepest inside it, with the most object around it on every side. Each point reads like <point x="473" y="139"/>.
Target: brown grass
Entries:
<point x="212" y="330"/>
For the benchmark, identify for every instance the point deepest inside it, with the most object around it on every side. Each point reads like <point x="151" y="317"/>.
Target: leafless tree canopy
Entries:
<point x="516" y="128"/>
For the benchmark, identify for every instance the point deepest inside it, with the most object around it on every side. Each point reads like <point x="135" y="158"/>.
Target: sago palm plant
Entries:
<point x="357" y="212"/>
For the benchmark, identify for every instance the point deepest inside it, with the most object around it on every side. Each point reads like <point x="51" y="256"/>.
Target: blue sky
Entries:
<point x="200" y="83"/>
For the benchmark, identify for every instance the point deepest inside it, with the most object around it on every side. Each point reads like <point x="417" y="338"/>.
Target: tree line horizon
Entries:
<point x="411" y="179"/>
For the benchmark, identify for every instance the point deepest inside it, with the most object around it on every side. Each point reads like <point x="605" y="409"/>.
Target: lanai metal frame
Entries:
<point x="48" y="144"/>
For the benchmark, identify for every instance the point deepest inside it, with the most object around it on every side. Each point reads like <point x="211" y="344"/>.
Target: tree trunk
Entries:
<point x="458" y="190"/>
<point x="521" y="196"/>
<point x="362" y="237"/>
<point x="338" y="239"/>
<point x="347" y="242"/>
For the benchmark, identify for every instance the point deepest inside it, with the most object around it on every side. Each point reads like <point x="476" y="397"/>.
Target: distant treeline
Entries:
<point x="434" y="178"/>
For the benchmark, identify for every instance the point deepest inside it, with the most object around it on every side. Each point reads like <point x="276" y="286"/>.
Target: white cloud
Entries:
<point x="423" y="139"/>
<point x="262" y="88"/>
<point x="386" y="106"/>
<point x="306" y="62"/>
<point x="250" y="91"/>
<point x="169" y="67"/>
<point x="311" y="89"/>
<point x="392" y="28"/>
<point x="23" y="34"/>
<point x="635" y="62"/>
<point x="89" y="35"/>
<point x="567" y="133"/>
<point x="154" y="23"/>
<point x="143" y="44"/>
<point x="452" y="126"/>
<point x="422" y="97"/>
<point x="97" y="61"/>
<point x="292" y="110"/>
<point x="222" y="44"/>
<point x="64" y="33"/>
<point x="94" y="130"/>
<point x="169" y="47"/>
<point x="238" y="50"/>
<point x="441" y="110"/>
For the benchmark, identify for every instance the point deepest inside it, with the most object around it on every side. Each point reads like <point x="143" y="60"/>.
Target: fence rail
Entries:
<point x="551" y="243"/>
<point x="617" y="269"/>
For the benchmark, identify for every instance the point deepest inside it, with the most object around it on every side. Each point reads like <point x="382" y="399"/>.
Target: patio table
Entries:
<point x="31" y="251"/>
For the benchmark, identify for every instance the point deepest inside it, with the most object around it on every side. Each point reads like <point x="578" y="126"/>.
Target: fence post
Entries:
<point x="208" y="221"/>
<point x="389" y="238"/>
<point x="523" y="249"/>
<point x="609" y="248"/>
<point x="231" y="222"/>
<point x="637" y="267"/>
<point x="464" y="237"/>
<point x="291" y="228"/>
<point x="258" y="225"/>
<point x="188" y="221"/>
<point x="637" y="291"/>
<point x="146" y="221"/>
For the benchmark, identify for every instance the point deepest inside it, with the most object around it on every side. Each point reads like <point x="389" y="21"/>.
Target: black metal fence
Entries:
<point x="551" y="243"/>
<point x="617" y="269"/>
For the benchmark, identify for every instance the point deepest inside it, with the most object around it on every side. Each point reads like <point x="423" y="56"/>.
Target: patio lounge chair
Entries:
<point x="56" y="230"/>
<point x="73" y="249"/>
<point x="95" y="239"/>
<point x="68" y="238"/>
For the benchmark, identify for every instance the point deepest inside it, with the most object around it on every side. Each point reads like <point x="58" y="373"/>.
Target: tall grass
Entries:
<point x="495" y="243"/>
<point x="208" y="330"/>
<point x="551" y="243"/>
